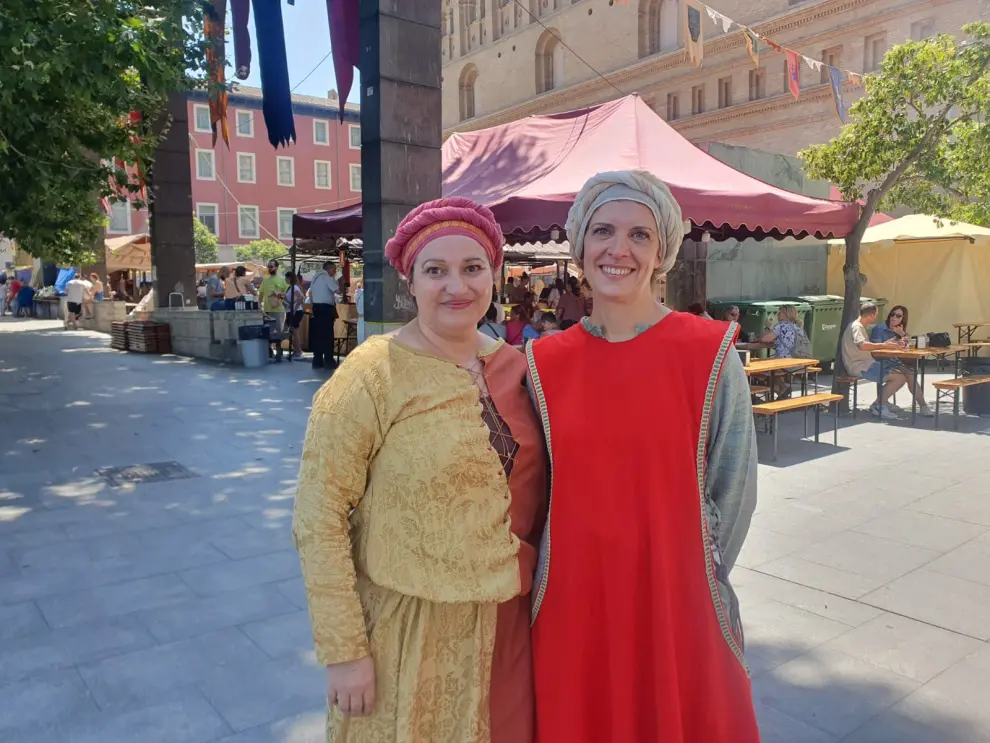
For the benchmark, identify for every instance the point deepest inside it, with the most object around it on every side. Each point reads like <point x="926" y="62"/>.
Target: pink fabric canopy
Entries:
<point x="528" y="172"/>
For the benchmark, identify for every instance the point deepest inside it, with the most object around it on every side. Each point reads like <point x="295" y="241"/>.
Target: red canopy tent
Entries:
<point x="529" y="171"/>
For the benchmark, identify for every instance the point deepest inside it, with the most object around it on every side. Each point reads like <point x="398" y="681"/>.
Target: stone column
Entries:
<point x="173" y="257"/>
<point x="400" y="139"/>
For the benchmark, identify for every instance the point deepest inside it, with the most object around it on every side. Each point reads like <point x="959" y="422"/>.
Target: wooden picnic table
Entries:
<point x="965" y="330"/>
<point x="975" y="346"/>
<point x="753" y="346"/>
<point x="771" y="365"/>
<point x="917" y="355"/>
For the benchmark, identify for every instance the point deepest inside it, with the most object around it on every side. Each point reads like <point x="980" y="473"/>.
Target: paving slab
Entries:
<point x="174" y="612"/>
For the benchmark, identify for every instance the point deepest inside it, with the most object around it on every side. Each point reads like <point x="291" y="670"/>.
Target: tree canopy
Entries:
<point x="917" y="138"/>
<point x="261" y="251"/>
<point x="205" y="243"/>
<point x="72" y="76"/>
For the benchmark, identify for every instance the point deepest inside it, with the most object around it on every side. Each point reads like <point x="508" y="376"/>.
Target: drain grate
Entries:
<point x="135" y="474"/>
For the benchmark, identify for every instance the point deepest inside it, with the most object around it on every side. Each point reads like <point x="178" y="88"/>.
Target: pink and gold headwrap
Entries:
<point x="434" y="219"/>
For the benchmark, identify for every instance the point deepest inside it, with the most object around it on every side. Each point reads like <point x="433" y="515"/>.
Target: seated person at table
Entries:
<point x="857" y="356"/>
<point x="732" y="314"/>
<point x="789" y="342"/>
<point x="549" y="324"/>
<point x="788" y="336"/>
<point x="896" y="328"/>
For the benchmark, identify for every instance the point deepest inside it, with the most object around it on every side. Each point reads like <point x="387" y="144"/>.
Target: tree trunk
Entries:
<point x="853" y="285"/>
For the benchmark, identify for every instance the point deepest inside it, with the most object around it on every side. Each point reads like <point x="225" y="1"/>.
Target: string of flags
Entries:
<point x="694" y="37"/>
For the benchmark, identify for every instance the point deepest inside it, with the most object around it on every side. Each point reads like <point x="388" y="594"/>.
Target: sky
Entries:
<point x="307" y="35"/>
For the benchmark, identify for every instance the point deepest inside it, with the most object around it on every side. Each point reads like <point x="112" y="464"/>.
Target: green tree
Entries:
<point x="261" y="251"/>
<point x="72" y="74"/>
<point x="205" y="243"/>
<point x="917" y="138"/>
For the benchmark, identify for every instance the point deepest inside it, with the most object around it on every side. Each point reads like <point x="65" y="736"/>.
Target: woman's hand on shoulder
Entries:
<point x="351" y="686"/>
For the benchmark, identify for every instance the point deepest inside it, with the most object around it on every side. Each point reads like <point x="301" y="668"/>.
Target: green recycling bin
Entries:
<point x="822" y="323"/>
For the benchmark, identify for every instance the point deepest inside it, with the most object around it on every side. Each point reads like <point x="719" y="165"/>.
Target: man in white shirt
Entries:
<point x="323" y="295"/>
<point x="75" y="292"/>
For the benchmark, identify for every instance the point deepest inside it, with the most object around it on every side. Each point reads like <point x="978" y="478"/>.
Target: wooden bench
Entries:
<point x="853" y="383"/>
<point x="950" y="388"/>
<point x="822" y="399"/>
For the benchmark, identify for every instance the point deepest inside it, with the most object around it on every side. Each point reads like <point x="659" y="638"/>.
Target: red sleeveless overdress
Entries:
<point x="633" y="641"/>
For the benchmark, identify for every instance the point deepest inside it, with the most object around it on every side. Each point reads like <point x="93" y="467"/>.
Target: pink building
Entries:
<point x="251" y="190"/>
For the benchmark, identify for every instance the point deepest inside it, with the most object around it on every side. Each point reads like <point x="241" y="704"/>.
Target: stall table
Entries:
<point x="965" y="330"/>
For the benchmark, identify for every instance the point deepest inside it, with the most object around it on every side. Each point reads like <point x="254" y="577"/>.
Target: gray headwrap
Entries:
<point x="628" y="185"/>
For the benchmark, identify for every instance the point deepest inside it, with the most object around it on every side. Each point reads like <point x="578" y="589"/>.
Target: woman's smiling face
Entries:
<point x="621" y="250"/>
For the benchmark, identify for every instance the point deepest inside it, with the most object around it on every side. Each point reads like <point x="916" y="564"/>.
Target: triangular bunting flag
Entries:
<point x="855" y="78"/>
<point x="694" y="34"/>
<point x="813" y="64"/>
<point x="752" y="46"/>
<point x="835" y="79"/>
<point x="772" y="44"/>
<point x="726" y="24"/>
<point x="793" y="74"/>
<point x="713" y="14"/>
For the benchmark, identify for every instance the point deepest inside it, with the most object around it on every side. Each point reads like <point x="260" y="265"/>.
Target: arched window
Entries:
<point x="549" y="61"/>
<point x="469" y="76"/>
<point x="658" y="24"/>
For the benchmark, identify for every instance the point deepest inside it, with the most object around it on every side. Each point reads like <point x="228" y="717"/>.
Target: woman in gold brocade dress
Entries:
<point x="422" y="496"/>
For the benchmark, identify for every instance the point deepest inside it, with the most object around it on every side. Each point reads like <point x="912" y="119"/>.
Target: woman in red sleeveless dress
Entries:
<point x="636" y="630"/>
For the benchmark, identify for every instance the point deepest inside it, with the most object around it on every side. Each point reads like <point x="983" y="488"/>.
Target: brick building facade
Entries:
<point x="250" y="190"/>
<point x="504" y="60"/>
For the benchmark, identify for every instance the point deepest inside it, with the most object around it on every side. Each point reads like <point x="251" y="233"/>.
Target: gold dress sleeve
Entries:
<point x="342" y="434"/>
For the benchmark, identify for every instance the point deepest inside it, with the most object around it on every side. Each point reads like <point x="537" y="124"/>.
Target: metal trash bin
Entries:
<point x="822" y="323"/>
<point x="253" y="340"/>
<point x="976" y="399"/>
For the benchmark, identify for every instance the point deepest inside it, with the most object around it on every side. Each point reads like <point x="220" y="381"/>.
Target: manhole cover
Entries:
<point x="137" y="473"/>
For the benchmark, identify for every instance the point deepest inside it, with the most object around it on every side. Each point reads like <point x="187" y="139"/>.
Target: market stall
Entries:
<point x="529" y="171"/>
<point x="901" y="258"/>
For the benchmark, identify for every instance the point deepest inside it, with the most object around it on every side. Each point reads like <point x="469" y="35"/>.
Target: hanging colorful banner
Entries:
<point x="835" y="79"/>
<point x="752" y="46"/>
<point x="855" y="78"/>
<point x="694" y="34"/>
<point x="772" y="44"/>
<point x="793" y="74"/>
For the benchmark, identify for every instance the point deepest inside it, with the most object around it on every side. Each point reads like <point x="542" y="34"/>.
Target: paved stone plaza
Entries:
<point x="173" y="611"/>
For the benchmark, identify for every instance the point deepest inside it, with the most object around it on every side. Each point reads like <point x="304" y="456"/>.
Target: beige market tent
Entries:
<point x="939" y="270"/>
<point x="129" y="253"/>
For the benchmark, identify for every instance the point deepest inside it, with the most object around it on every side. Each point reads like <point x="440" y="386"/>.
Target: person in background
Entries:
<point x="421" y="497"/>
<point x="3" y="293"/>
<point x="895" y="328"/>
<point x="359" y="307"/>
<point x="237" y="288"/>
<point x="857" y="357"/>
<point x="323" y="296"/>
<point x="549" y="324"/>
<point x="555" y="293"/>
<point x="201" y="294"/>
<point x="216" y="289"/>
<point x="510" y="285"/>
<point x="499" y="308"/>
<point x="272" y="295"/>
<point x="787" y="335"/>
<point x="25" y="301"/>
<point x="13" y="289"/>
<point x="732" y="314"/>
<point x="570" y="306"/>
<point x="490" y="325"/>
<point x="516" y="326"/>
<point x="519" y="290"/>
<point x="295" y="309"/>
<point x="698" y="309"/>
<point x="75" y="294"/>
<point x="637" y="631"/>
<point x="94" y="295"/>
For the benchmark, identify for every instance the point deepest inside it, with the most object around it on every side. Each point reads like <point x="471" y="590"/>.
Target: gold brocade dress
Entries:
<point x="417" y="519"/>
